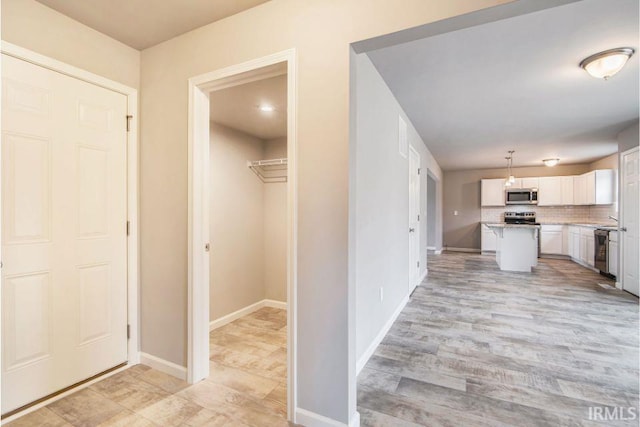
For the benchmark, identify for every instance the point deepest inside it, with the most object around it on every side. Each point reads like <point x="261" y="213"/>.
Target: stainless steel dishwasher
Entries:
<point x="601" y="252"/>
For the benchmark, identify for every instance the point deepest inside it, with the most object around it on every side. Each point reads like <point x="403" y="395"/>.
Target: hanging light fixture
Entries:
<point x="605" y="64"/>
<point x="510" y="178"/>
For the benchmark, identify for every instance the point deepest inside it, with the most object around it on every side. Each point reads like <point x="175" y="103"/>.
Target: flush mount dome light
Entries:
<point x="266" y="108"/>
<point x="606" y="64"/>
<point x="550" y="162"/>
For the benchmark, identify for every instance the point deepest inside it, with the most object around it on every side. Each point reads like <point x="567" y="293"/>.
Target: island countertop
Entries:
<point x="504" y="225"/>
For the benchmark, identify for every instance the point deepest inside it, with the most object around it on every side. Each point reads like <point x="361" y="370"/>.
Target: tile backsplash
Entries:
<point x="576" y="214"/>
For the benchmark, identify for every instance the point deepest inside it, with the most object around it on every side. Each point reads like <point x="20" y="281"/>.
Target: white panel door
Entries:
<point x="630" y="230"/>
<point x="64" y="182"/>
<point x="414" y="218"/>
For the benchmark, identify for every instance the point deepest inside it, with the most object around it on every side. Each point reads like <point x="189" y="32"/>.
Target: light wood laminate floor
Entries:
<point x="476" y="346"/>
<point x="247" y="386"/>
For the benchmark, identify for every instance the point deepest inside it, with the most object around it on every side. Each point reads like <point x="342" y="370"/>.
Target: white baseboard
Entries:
<point x="311" y="419"/>
<point x="215" y="324"/>
<point x="431" y="248"/>
<point x="438" y="252"/>
<point x="618" y="285"/>
<point x="378" y="339"/>
<point x="453" y="249"/>
<point x="62" y="395"/>
<point x="164" y="366"/>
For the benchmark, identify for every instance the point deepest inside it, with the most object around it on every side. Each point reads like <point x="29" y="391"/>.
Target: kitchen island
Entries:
<point x="517" y="246"/>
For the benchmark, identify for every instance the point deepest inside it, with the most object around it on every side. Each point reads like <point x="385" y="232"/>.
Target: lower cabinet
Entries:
<point x="581" y="245"/>
<point x="488" y="239"/>
<point x="613" y="253"/>
<point x="553" y="240"/>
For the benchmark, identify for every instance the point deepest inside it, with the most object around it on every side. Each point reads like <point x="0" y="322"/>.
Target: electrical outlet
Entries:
<point x="381" y="294"/>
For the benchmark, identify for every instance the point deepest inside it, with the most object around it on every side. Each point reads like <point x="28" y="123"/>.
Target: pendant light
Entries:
<point x="510" y="178"/>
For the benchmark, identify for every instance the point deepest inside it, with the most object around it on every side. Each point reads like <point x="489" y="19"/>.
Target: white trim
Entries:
<point x="411" y="267"/>
<point x="378" y="339"/>
<point x="355" y="420"/>
<point x="198" y="206"/>
<point x="62" y="395"/>
<point x="618" y="285"/>
<point x="431" y="248"/>
<point x="311" y="419"/>
<point x="437" y="252"/>
<point x="453" y="249"/>
<point x="424" y="276"/>
<point x="225" y="320"/>
<point x="133" y="279"/>
<point x="165" y="366"/>
<point x="621" y="246"/>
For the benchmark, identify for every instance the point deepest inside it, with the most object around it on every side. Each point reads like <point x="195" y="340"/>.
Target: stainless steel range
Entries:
<point x="523" y="218"/>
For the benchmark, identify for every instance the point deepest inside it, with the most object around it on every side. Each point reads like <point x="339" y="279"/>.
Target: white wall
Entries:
<point x="237" y="222"/>
<point x="381" y="207"/>
<point x="275" y="228"/>
<point x="431" y="212"/>
<point x="629" y="137"/>
<point x="32" y="25"/>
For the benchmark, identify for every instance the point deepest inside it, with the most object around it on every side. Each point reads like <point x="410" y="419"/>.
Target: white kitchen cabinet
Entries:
<point x="566" y="182"/>
<point x="587" y="246"/>
<point x="550" y="191"/>
<point x="530" y="183"/>
<point x="595" y="188"/>
<point x="580" y="190"/>
<point x="574" y="243"/>
<point x="604" y="186"/>
<point x="552" y="239"/>
<point x="492" y="192"/>
<point x="488" y="240"/>
<point x="613" y="253"/>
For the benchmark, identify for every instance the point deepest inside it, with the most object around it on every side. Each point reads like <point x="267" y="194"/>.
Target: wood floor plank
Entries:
<point x="479" y="346"/>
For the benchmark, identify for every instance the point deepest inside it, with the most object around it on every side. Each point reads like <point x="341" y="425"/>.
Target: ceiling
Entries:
<point x="145" y="23"/>
<point x="516" y="85"/>
<point x="237" y="107"/>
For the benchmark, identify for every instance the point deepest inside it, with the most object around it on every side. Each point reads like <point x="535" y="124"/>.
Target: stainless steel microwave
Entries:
<point x="522" y="196"/>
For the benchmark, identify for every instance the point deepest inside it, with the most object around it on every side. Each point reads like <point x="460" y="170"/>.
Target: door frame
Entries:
<point x="413" y="285"/>
<point x="621" y="240"/>
<point x="133" y="281"/>
<point x="198" y="209"/>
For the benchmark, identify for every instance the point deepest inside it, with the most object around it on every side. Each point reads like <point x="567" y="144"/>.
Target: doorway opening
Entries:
<point x="248" y="235"/>
<point x="242" y="230"/>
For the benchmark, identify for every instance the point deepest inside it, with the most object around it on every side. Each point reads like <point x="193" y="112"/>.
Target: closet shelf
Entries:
<point x="272" y="170"/>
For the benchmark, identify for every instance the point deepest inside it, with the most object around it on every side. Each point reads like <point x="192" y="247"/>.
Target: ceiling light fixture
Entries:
<point x="605" y="64"/>
<point x="550" y="162"/>
<point x="266" y="108"/>
<point x="508" y="182"/>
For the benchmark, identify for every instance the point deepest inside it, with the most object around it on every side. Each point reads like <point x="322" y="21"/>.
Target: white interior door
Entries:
<point x="414" y="218"/>
<point x="630" y="232"/>
<point x="64" y="188"/>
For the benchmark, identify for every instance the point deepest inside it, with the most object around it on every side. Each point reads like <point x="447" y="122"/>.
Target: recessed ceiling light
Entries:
<point x="550" y="162"/>
<point x="605" y="64"/>
<point x="266" y="108"/>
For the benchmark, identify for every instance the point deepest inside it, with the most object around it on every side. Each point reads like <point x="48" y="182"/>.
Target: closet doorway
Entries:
<point x="242" y="236"/>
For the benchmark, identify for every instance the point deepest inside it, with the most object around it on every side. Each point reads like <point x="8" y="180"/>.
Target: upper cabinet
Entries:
<point x="592" y="188"/>
<point x="595" y="188"/>
<point x="550" y="191"/>
<point x="492" y="192"/>
<point x="530" y="182"/>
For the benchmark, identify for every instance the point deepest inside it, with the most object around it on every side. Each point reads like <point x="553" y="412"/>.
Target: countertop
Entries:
<point x="605" y="226"/>
<point x="503" y="225"/>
